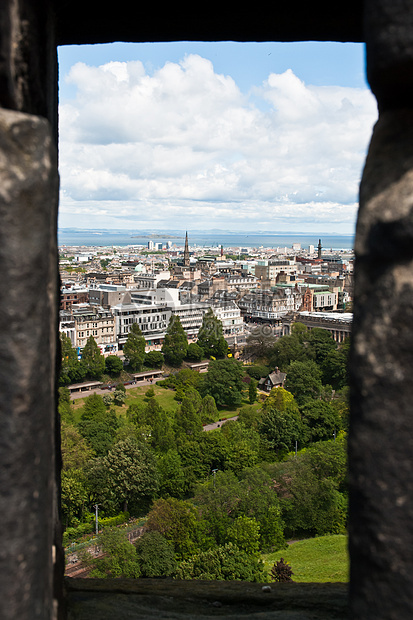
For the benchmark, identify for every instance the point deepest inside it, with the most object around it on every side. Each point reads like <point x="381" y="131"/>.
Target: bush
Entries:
<point x="281" y="572"/>
<point x="119" y="556"/>
<point x="73" y="533"/>
<point x="225" y="563"/>
<point x="150" y="393"/>
<point x="107" y="399"/>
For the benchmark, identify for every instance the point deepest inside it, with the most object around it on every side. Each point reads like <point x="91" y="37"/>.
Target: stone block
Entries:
<point x="381" y="438"/>
<point x="28" y="327"/>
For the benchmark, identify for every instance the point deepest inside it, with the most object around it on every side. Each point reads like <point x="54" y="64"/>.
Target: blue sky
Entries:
<point x="237" y="136"/>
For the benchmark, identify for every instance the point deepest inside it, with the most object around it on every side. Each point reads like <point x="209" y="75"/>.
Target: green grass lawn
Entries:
<point x="165" y="398"/>
<point x="323" y="559"/>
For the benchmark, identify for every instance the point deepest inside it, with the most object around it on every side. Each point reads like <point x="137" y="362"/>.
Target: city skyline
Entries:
<point x="240" y="137"/>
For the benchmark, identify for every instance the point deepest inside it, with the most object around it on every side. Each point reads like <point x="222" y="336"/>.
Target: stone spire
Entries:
<point x="186" y="251"/>
<point x="319" y="248"/>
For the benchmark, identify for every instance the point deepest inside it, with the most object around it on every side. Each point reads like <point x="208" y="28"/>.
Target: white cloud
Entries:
<point x="184" y="146"/>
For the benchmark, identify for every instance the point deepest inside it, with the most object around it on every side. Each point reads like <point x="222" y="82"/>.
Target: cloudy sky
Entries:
<point x="241" y="137"/>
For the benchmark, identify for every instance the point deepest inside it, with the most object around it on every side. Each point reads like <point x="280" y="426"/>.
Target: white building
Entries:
<point x="324" y="300"/>
<point x="152" y="311"/>
<point x="230" y="316"/>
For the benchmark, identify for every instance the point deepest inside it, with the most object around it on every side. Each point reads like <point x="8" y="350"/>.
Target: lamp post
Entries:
<point x="96" y="518"/>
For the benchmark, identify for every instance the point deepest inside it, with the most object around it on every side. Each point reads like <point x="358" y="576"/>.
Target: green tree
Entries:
<point x="311" y="501"/>
<point x="244" y="532"/>
<point x="186" y="378"/>
<point x="64" y="406"/>
<point x="243" y="446"/>
<point x="335" y="366"/>
<point x="321" y="343"/>
<point x="328" y="459"/>
<point x="154" y="359"/>
<point x="134" y="348"/>
<point x="157" y="420"/>
<point x="260" y="501"/>
<point x="210" y="336"/>
<point x="74" y="497"/>
<point x="320" y="420"/>
<point x="179" y="522"/>
<point x="257" y="371"/>
<point x="75" y="450"/>
<point x="214" y="448"/>
<point x="120" y="558"/>
<point x="291" y="348"/>
<point x="224" y="382"/>
<point x="131" y="476"/>
<point x="218" y="501"/>
<point x="113" y="365"/>
<point x="188" y="417"/>
<point x="280" y="424"/>
<point x="93" y="360"/>
<point x="252" y="391"/>
<point x="303" y="380"/>
<point x="119" y="395"/>
<point x="71" y="370"/>
<point x="209" y="411"/>
<point x="171" y="475"/>
<point x="156" y="555"/>
<point x="175" y="344"/>
<point x="249" y="416"/>
<point x="98" y="425"/>
<point x="194" y="353"/>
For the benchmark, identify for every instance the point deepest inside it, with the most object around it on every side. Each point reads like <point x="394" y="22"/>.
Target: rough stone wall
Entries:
<point x="381" y="438"/>
<point x="29" y="456"/>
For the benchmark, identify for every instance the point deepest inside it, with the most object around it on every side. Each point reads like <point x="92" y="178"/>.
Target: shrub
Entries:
<point x="225" y="563"/>
<point x="107" y="399"/>
<point x="281" y="571"/>
<point x="150" y="393"/>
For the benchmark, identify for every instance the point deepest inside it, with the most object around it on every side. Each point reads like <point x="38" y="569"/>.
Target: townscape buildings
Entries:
<point x="106" y="290"/>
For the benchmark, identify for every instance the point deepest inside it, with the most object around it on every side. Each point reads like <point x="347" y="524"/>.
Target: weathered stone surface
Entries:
<point x="106" y="599"/>
<point x="28" y="320"/>
<point x="381" y="439"/>
<point x="28" y="58"/>
<point x="389" y="45"/>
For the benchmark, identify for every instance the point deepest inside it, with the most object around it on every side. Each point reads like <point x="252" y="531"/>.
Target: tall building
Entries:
<point x="319" y="249"/>
<point x="186" y="252"/>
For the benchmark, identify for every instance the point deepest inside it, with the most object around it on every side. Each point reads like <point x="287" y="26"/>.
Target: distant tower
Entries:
<point x="319" y="249"/>
<point x="186" y="252"/>
<point x="222" y="250"/>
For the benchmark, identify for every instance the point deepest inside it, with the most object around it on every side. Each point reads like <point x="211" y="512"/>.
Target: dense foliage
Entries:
<point x="213" y="501"/>
<point x="175" y="344"/>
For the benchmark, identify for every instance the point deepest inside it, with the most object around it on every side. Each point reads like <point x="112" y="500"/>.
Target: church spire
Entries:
<point x="186" y="251"/>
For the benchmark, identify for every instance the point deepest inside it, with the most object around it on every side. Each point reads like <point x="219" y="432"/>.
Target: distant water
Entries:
<point x="106" y="238"/>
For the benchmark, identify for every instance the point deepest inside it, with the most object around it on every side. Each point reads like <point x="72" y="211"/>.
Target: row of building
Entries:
<point x="276" y="293"/>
